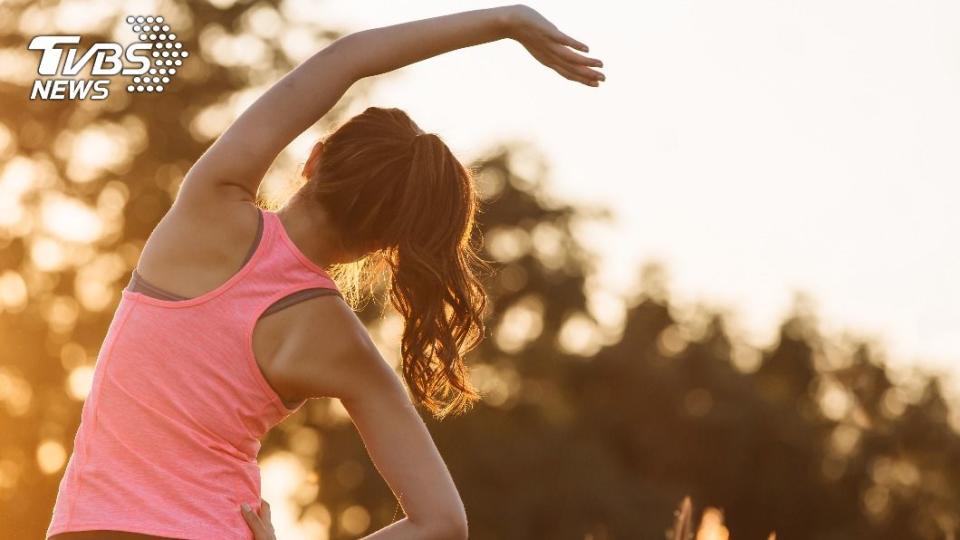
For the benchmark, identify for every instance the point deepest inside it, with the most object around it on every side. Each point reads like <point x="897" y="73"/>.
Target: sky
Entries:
<point x="756" y="148"/>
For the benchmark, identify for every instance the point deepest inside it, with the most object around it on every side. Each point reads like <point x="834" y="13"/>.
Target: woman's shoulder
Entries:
<point x="224" y="220"/>
<point x="192" y="249"/>
<point x="327" y="350"/>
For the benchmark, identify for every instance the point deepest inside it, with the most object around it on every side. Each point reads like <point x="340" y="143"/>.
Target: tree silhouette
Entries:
<point x="579" y="435"/>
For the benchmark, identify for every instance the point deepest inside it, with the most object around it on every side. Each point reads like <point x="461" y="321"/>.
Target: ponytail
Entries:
<point x="389" y="185"/>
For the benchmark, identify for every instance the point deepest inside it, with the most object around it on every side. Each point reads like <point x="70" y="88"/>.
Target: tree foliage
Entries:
<point x="586" y="430"/>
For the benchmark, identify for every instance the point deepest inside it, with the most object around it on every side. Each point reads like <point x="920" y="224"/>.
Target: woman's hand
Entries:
<point x="259" y="524"/>
<point x="551" y="47"/>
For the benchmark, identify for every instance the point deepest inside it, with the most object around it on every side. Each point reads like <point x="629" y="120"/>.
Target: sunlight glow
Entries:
<point x="15" y="66"/>
<point x="72" y="355"/>
<point x="300" y="42"/>
<point x="844" y="439"/>
<point x="62" y="313"/>
<point x="745" y="358"/>
<point x="876" y="499"/>
<point x="263" y="20"/>
<point x="6" y="140"/>
<point x="79" y="382"/>
<point x="94" y="282"/>
<point x="512" y="277"/>
<point x="387" y="333"/>
<point x="497" y="383"/>
<point x="48" y="255"/>
<point x="711" y="526"/>
<point x="834" y="400"/>
<point x="9" y="474"/>
<point x="894" y="402"/>
<point x="608" y="309"/>
<point x="210" y="122"/>
<point x="227" y="49"/>
<point x="355" y="519"/>
<point x="508" y="244"/>
<point x="16" y="179"/>
<point x="547" y="243"/>
<point x="490" y="182"/>
<point x="892" y="472"/>
<point x="70" y="219"/>
<point x="84" y="16"/>
<point x="579" y="336"/>
<point x="97" y="149"/>
<point x="671" y="341"/>
<point x="15" y="392"/>
<point x="13" y="291"/>
<point x="51" y="456"/>
<point x="337" y="412"/>
<point x="521" y="324"/>
<point x="282" y="475"/>
<point x="316" y="520"/>
<point x="36" y="20"/>
<point x="304" y="441"/>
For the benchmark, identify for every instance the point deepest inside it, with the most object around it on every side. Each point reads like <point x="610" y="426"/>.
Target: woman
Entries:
<point x="234" y="316"/>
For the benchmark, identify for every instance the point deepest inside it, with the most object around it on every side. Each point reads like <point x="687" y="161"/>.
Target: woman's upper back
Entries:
<point x="171" y="428"/>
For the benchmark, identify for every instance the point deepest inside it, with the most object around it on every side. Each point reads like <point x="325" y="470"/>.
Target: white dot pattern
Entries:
<point x="167" y="51"/>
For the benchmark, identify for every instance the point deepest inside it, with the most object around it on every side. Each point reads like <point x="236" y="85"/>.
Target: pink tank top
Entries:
<point x="169" y="434"/>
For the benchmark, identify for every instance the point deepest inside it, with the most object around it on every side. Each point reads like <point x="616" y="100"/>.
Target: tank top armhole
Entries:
<point x="299" y="296"/>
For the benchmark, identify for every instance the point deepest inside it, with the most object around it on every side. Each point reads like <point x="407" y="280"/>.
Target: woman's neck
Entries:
<point x="311" y="229"/>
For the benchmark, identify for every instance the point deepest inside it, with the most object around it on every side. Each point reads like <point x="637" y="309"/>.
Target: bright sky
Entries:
<point x="756" y="147"/>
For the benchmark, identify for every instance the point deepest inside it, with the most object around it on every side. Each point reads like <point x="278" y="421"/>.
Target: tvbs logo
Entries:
<point x="152" y="61"/>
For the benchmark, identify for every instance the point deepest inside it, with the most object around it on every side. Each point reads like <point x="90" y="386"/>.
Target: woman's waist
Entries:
<point x="130" y="491"/>
<point x="103" y="534"/>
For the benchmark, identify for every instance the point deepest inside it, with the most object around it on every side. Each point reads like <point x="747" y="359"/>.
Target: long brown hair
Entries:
<point x="400" y="196"/>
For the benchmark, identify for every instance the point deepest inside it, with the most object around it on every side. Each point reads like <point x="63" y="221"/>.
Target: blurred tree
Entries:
<point x="603" y="446"/>
<point x="82" y="185"/>
<point x="580" y="434"/>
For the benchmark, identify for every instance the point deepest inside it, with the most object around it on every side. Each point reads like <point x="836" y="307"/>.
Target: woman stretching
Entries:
<point x="235" y="316"/>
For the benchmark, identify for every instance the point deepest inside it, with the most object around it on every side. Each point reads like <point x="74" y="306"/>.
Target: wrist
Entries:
<point x="506" y="20"/>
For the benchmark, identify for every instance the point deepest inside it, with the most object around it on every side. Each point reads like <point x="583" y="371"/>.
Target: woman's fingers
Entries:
<point x="579" y="72"/>
<point x="264" y="511"/>
<point x="256" y="525"/>
<point x="573" y="76"/>
<point x="575" y="58"/>
<point x="569" y="41"/>
<point x="557" y="55"/>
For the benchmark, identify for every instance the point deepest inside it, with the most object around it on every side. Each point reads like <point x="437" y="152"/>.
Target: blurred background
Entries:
<point x="729" y="273"/>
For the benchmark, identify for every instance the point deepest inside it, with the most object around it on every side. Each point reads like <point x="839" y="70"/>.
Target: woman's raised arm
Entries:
<point x="234" y="165"/>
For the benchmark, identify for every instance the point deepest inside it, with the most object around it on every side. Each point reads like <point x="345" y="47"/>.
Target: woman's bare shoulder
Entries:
<point x="224" y="222"/>
<point x="190" y="252"/>
<point x="327" y="351"/>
